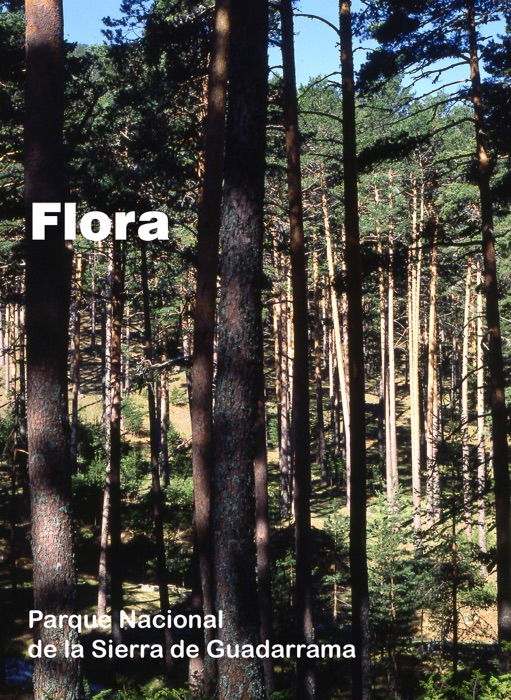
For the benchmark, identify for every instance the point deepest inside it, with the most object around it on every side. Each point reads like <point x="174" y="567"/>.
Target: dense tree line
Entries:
<point x="292" y="411"/>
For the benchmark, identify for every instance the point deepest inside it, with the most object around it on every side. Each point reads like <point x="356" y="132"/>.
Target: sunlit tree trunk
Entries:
<point x="321" y="449"/>
<point x="432" y="406"/>
<point x="75" y="359"/>
<point x="357" y="445"/>
<point x="157" y="497"/>
<point x="414" y="283"/>
<point x="390" y="392"/>
<point x="465" y="443"/>
<point x="481" y="447"/>
<point x="263" y="527"/>
<point x="493" y="335"/>
<point x="339" y="346"/>
<point x="280" y="327"/>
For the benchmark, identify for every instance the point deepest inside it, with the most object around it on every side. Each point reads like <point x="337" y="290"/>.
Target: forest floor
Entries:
<point x="477" y="623"/>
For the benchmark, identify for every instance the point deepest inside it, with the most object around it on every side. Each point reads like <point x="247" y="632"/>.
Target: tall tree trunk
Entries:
<point x="239" y="363"/>
<point x="201" y="673"/>
<point x="106" y="312"/>
<point x="282" y="382"/>
<point x="465" y="443"/>
<point x="495" y="360"/>
<point x="321" y="449"/>
<point x="154" y="439"/>
<point x="414" y="283"/>
<point x="432" y="488"/>
<point x="481" y="448"/>
<point x="48" y="285"/>
<point x="92" y="267"/>
<point x="75" y="360"/>
<point x="357" y="446"/>
<point x="116" y="571"/>
<point x="263" y="527"/>
<point x="390" y="393"/>
<point x="339" y="346"/>
<point x="106" y="376"/>
<point x="305" y="668"/>
<point x="383" y="347"/>
<point x="126" y="363"/>
<point x="164" y="427"/>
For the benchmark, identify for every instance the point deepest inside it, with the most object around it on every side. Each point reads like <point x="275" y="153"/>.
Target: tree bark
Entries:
<point x="465" y="443"/>
<point x="282" y="382"/>
<point x="239" y="362"/>
<point x="339" y="346"/>
<point x="305" y="668"/>
<point x="390" y="404"/>
<point x="481" y="447"/>
<point x="201" y="674"/>
<point x="48" y="288"/>
<point x="116" y="572"/>
<point x="357" y="446"/>
<point x="321" y="447"/>
<point x="263" y="528"/>
<point x="494" y="339"/>
<point x="154" y="439"/>
<point x="414" y="284"/>
<point x="432" y="483"/>
<point x="75" y="360"/>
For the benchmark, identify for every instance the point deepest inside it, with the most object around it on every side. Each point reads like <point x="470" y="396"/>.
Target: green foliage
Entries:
<point x="7" y="427"/>
<point x="133" y="416"/>
<point x="91" y="446"/>
<point x="477" y="687"/>
<point x="395" y="580"/>
<point x="133" y="692"/>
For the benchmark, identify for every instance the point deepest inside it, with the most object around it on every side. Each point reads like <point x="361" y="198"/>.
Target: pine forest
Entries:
<point x="255" y="353"/>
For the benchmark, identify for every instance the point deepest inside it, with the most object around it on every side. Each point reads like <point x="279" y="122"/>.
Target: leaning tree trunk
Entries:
<point x="494" y="339"/>
<point x="357" y="446"/>
<point x="48" y="287"/>
<point x="239" y="363"/>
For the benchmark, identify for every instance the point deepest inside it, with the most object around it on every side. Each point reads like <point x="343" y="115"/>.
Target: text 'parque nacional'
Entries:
<point x="96" y="225"/>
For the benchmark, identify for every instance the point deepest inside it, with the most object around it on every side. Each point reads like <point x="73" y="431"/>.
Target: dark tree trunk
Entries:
<point x="239" y="362"/>
<point x="358" y="534"/>
<point x="305" y="672"/>
<point x="116" y="573"/>
<point x="494" y="354"/>
<point x="201" y="673"/>
<point x="48" y="285"/>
